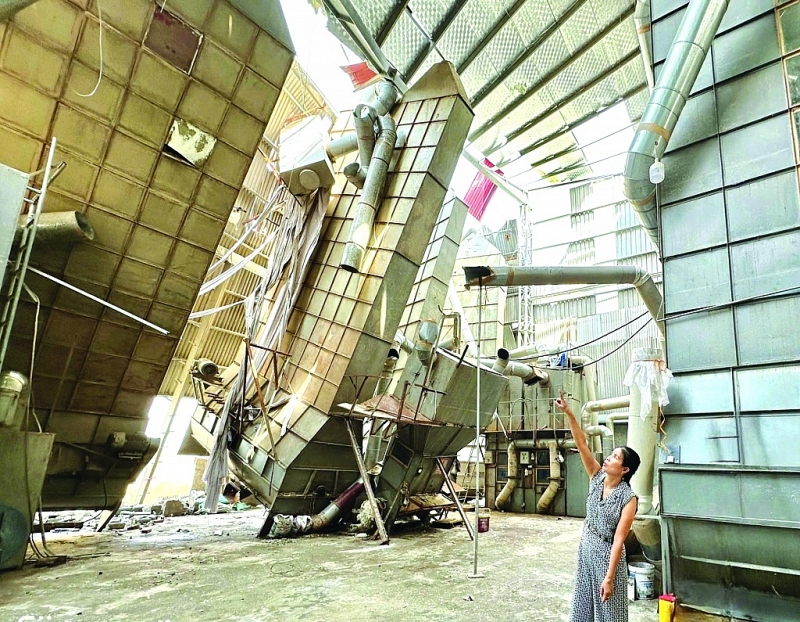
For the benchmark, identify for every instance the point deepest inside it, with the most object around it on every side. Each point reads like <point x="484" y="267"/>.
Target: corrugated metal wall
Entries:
<point x="731" y="246"/>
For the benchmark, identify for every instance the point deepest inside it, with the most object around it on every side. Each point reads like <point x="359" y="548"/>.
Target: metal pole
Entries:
<point x="362" y="469"/>
<point x="452" y="491"/>
<point x="475" y="574"/>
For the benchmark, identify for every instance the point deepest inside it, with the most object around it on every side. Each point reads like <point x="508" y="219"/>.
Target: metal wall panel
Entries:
<point x="701" y="341"/>
<point x="746" y="218"/>
<point x="770" y="439"/>
<point x="701" y="394"/>
<point x="682" y="219"/>
<point x="766" y="265"/>
<point x="783" y="383"/>
<point x="697" y="122"/>
<point x="757" y="150"/>
<point x="742" y="11"/>
<point x="734" y="52"/>
<point x="750" y="97"/>
<point x="691" y="171"/>
<point x="696" y="281"/>
<point x="768" y="332"/>
<point x="704" y="440"/>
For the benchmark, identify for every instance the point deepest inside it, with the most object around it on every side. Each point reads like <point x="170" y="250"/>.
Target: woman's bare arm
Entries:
<point x="591" y="465"/>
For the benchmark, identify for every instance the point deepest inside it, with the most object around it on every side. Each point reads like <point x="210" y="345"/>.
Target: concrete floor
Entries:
<point x="213" y="568"/>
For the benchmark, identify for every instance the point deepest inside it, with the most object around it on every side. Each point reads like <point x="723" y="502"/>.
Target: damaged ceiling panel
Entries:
<point x="214" y="67"/>
<point x="533" y="71"/>
<point x="225" y="329"/>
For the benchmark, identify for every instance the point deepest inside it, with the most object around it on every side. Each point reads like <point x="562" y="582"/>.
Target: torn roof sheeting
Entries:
<point x="533" y="70"/>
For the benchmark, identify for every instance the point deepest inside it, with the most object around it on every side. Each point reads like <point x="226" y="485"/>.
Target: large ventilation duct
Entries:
<point x="491" y="276"/>
<point x="364" y="121"/>
<point x="648" y="380"/>
<point x="642" y="19"/>
<point x="529" y="374"/>
<point x="60" y="228"/>
<point x="692" y="42"/>
<point x="361" y="228"/>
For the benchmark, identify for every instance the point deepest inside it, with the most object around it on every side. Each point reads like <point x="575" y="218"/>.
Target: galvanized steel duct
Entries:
<point x="385" y="97"/>
<point x="364" y="121"/>
<point x="493" y="276"/>
<point x="427" y="336"/>
<point x="361" y="228"/>
<point x="387" y="373"/>
<point x="529" y="374"/>
<point x="401" y="342"/>
<point x="555" y="478"/>
<point x="692" y="42"/>
<point x="355" y="174"/>
<point x="60" y="228"/>
<point x="342" y="146"/>
<point x="642" y="20"/>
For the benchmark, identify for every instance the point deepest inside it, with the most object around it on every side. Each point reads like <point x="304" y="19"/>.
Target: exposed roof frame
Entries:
<point x="551" y="75"/>
<point x="435" y="37"/>
<point x="572" y="96"/>
<point x="390" y="22"/>
<point x="345" y="13"/>
<point x="528" y="52"/>
<point x="568" y="128"/>
<point x="498" y="26"/>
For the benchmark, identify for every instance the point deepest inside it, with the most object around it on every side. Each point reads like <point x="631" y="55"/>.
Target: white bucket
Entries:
<point x="643" y="573"/>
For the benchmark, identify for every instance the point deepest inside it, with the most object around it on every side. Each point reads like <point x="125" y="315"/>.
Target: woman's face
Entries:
<point x="613" y="465"/>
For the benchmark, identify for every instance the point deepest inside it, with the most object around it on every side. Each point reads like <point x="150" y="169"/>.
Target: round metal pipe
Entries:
<point x="342" y="146"/>
<point x="503" y="276"/>
<point x="61" y="228"/>
<point x="679" y="73"/>
<point x="361" y="228"/>
<point x="364" y="120"/>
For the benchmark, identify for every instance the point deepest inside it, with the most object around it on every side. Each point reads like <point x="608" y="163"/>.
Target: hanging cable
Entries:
<point x="100" y="76"/>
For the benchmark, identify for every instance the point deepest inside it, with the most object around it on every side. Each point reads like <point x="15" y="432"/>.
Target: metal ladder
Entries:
<point x="15" y="275"/>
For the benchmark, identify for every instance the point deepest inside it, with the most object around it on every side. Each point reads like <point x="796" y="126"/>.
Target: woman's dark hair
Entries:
<point x="631" y="460"/>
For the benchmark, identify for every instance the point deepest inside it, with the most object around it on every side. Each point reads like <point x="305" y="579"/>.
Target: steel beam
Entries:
<point x="498" y="26"/>
<point x="362" y="469"/>
<point x="564" y="101"/>
<point x="553" y="73"/>
<point x="435" y="37"/>
<point x="528" y="52"/>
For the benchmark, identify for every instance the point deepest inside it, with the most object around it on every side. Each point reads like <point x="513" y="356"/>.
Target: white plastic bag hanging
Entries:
<point x="649" y="373"/>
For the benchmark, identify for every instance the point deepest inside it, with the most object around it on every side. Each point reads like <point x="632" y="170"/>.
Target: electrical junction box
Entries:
<point x="524" y="457"/>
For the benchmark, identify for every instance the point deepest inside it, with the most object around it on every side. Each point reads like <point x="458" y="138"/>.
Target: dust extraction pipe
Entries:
<point x="689" y="48"/>
<point x="60" y="228"/>
<point x="513" y="465"/>
<point x="361" y="228"/>
<point x="334" y="509"/>
<point x="491" y="276"/>
<point x="530" y="375"/>
<point x="555" y="478"/>
<point x="642" y="20"/>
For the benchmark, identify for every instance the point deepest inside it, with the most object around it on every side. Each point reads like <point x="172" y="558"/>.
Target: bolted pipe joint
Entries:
<point x="371" y="195"/>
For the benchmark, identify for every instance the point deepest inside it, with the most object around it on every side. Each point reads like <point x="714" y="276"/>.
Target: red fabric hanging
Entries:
<point x="481" y="191"/>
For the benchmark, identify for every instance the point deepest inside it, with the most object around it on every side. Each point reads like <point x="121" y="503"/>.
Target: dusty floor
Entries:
<point x="194" y="574"/>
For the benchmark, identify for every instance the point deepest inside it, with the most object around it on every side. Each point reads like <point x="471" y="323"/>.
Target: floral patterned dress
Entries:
<point x="594" y="553"/>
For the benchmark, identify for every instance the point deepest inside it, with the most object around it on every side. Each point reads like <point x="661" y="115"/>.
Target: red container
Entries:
<point x="483" y="521"/>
